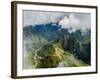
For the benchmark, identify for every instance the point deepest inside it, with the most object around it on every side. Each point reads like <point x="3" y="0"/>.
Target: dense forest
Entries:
<point x="50" y="45"/>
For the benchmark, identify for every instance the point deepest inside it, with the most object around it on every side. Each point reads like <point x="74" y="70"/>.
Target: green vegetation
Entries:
<point x="50" y="46"/>
<point x="51" y="54"/>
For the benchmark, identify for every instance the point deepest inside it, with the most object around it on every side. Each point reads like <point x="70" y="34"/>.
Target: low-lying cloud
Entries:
<point x="66" y="20"/>
<point x="69" y="22"/>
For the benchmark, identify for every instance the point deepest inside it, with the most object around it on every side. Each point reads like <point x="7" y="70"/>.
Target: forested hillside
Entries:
<point x="51" y="45"/>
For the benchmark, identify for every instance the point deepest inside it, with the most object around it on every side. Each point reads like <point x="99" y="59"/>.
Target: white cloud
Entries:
<point x="69" y="22"/>
<point x="66" y="20"/>
<point x="41" y="17"/>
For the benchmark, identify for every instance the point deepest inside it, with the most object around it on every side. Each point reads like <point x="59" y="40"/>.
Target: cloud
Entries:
<point x="41" y="17"/>
<point x="70" y="22"/>
<point x="66" y="20"/>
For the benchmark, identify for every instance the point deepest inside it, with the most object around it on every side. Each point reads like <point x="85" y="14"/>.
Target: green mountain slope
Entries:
<point x="53" y="55"/>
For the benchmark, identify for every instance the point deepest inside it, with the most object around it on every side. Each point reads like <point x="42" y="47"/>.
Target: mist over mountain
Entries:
<point x="77" y="43"/>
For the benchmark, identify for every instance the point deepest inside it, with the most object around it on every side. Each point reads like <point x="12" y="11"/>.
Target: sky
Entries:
<point x="65" y="19"/>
